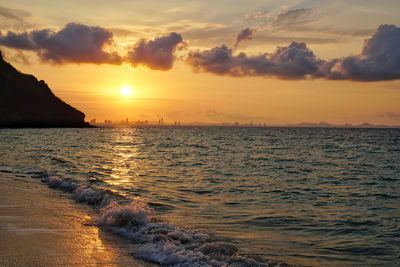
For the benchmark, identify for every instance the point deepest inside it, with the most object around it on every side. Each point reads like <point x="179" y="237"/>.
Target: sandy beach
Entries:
<point x="43" y="227"/>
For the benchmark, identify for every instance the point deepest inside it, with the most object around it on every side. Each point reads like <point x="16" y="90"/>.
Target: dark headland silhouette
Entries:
<point x="27" y="102"/>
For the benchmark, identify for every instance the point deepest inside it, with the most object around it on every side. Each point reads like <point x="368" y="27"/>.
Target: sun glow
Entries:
<point x="126" y="90"/>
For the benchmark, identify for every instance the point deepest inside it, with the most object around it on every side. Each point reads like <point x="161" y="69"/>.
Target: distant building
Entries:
<point x="141" y="123"/>
<point x="93" y="121"/>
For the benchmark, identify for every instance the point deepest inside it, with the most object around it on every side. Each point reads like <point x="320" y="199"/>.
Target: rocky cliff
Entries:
<point x="27" y="102"/>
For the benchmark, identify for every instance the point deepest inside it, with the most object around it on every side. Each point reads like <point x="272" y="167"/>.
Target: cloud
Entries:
<point x="293" y="17"/>
<point x="21" y="57"/>
<point x="78" y="43"/>
<point x="156" y="54"/>
<point x="390" y="115"/>
<point x="245" y="34"/>
<point x="301" y="24"/>
<point x="232" y="117"/>
<point x="17" y="41"/>
<point x="75" y="43"/>
<point x="295" y="61"/>
<point x="15" y="56"/>
<point x="257" y="15"/>
<point x="378" y="61"/>
<point x="16" y="19"/>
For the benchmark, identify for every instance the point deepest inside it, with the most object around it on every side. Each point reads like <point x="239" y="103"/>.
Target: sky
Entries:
<point x="274" y="62"/>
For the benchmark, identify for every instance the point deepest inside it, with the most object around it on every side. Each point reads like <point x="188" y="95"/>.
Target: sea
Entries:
<point x="227" y="196"/>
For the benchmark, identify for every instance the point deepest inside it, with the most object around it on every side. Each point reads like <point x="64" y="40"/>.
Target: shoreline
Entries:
<point x="42" y="227"/>
<point x="47" y="222"/>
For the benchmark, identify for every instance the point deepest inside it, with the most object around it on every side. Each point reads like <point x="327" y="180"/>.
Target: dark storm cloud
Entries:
<point x="76" y="43"/>
<point x="245" y="34"/>
<point x="288" y="62"/>
<point x="156" y="54"/>
<point x="378" y="61"/>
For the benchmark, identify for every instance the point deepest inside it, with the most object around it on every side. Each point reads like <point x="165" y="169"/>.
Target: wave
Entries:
<point x="155" y="241"/>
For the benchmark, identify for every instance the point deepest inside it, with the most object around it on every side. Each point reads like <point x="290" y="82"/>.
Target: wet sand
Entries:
<point x="43" y="227"/>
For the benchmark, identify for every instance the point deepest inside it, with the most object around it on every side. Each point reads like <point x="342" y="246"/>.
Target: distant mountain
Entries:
<point x="347" y="125"/>
<point x="27" y="102"/>
<point x="311" y="124"/>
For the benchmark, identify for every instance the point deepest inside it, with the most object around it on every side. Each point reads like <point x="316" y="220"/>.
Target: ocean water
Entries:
<point x="228" y="195"/>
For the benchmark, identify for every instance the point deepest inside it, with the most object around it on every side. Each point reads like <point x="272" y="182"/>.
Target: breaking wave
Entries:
<point x="155" y="241"/>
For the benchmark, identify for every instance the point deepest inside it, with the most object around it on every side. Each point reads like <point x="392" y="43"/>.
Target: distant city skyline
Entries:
<point x="160" y="122"/>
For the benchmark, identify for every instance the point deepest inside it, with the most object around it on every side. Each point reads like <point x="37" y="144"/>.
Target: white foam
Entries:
<point x="127" y="216"/>
<point x="167" y="244"/>
<point x="58" y="183"/>
<point x="90" y="196"/>
<point x="155" y="241"/>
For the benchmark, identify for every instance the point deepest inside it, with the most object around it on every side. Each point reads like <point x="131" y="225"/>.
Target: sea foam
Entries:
<point x="155" y="241"/>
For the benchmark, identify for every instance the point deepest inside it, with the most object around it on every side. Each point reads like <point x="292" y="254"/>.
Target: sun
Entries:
<point x="126" y="90"/>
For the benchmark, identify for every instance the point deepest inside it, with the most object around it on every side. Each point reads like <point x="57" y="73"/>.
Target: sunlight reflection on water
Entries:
<point x="298" y="195"/>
